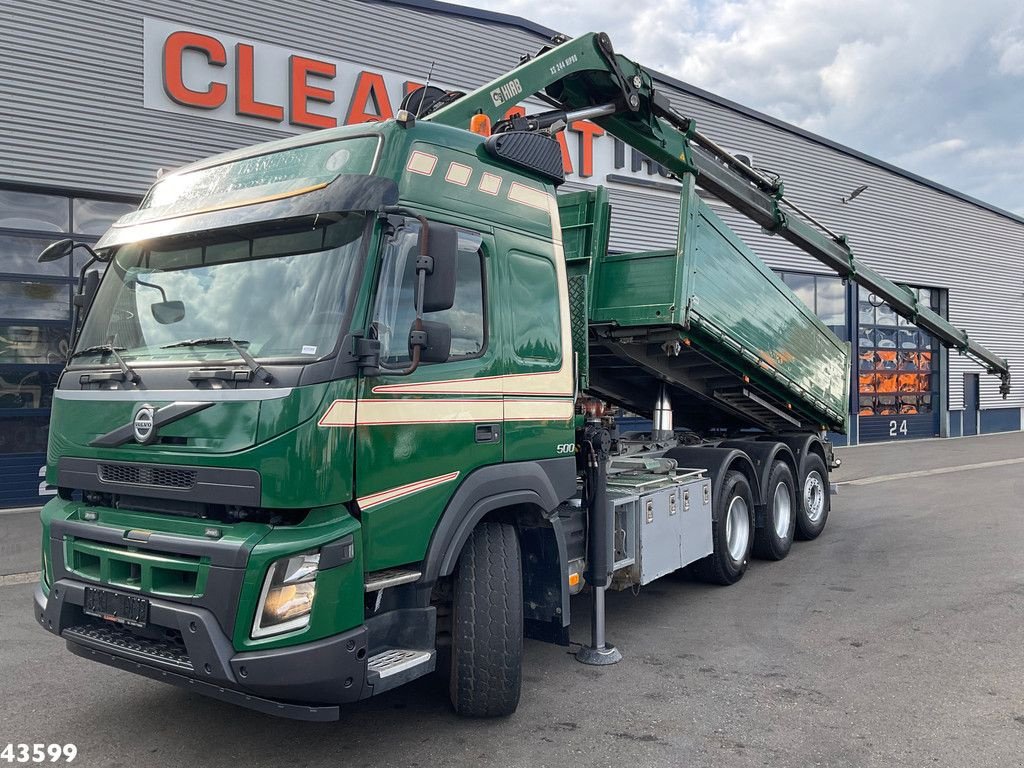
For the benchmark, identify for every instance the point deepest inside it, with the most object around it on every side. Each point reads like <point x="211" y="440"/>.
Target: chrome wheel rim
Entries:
<point x="737" y="528"/>
<point x="782" y="508"/>
<point x="814" y="496"/>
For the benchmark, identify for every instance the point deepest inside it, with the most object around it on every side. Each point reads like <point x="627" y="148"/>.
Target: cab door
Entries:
<point x="419" y="435"/>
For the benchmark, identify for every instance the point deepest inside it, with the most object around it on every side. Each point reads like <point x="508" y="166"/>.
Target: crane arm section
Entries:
<point x="583" y="78"/>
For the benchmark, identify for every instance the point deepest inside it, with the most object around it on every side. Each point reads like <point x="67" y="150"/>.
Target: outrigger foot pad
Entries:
<point x="598" y="657"/>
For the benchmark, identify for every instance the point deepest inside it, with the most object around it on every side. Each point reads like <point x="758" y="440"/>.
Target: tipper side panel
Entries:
<point x="737" y="300"/>
<point x="713" y="294"/>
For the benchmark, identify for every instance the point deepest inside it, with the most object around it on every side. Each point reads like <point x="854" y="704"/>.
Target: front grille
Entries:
<point x="123" y="642"/>
<point x="153" y="572"/>
<point x="140" y="474"/>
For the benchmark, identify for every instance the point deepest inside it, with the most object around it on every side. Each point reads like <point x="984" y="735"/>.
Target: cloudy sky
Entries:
<point x="933" y="86"/>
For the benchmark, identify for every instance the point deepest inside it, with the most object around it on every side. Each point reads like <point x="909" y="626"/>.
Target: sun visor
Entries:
<point x="347" y="192"/>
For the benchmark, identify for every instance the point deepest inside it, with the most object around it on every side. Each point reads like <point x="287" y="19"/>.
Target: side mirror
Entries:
<point x="168" y="312"/>
<point x="439" y="282"/>
<point x="55" y="251"/>
<point x="437" y="347"/>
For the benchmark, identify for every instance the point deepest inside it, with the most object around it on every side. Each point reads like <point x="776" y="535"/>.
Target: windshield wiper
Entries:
<point x="209" y="341"/>
<point x="109" y="349"/>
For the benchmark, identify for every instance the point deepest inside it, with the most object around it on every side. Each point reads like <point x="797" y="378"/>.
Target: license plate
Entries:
<point x="111" y="606"/>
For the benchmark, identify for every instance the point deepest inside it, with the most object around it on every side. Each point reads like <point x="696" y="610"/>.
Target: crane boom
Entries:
<point x="583" y="78"/>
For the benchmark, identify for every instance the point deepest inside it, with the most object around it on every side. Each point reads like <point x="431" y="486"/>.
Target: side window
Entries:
<point x="536" y="320"/>
<point x="395" y="310"/>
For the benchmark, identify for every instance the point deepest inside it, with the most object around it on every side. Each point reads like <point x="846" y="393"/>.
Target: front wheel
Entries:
<point x="814" y="499"/>
<point x="731" y="533"/>
<point x="487" y="624"/>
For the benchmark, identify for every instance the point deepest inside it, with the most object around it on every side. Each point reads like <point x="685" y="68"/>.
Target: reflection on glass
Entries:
<point x="37" y="344"/>
<point x="884" y="315"/>
<point x="907" y="338"/>
<point x="19" y="254"/>
<point x="831" y="300"/>
<point x="395" y="309"/>
<point x="23" y="434"/>
<point x="802" y="286"/>
<point x="289" y="302"/>
<point x="885" y="338"/>
<point x="902" y="356"/>
<point x="94" y="217"/>
<point x="26" y="300"/>
<point x="27" y="389"/>
<point x="27" y="210"/>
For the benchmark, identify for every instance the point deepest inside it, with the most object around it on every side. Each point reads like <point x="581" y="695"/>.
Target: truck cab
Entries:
<point x="259" y="492"/>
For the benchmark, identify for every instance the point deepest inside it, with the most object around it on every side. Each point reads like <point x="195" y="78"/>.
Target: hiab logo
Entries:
<point x="506" y="92"/>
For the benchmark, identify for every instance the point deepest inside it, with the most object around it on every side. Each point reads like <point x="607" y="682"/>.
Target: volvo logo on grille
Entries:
<point x="143" y="426"/>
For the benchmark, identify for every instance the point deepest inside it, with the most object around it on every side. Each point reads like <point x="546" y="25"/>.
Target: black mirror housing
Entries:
<point x="89" y="287"/>
<point x="439" y="282"/>
<point x="168" y="312"/>
<point x="56" y="251"/>
<point x="438" y="347"/>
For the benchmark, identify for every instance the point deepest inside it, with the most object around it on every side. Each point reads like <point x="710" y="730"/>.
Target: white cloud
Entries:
<point x="892" y="78"/>
<point x="1009" y="44"/>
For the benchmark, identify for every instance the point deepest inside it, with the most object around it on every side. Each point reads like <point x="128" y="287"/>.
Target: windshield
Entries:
<point x="280" y="292"/>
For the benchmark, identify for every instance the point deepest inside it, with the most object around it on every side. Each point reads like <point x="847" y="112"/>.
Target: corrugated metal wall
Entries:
<point x="71" y="115"/>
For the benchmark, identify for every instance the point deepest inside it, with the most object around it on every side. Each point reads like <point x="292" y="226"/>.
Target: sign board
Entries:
<point x="220" y="76"/>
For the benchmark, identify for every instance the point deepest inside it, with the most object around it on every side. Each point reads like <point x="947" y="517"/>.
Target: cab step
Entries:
<point x="397" y="666"/>
<point x="390" y="577"/>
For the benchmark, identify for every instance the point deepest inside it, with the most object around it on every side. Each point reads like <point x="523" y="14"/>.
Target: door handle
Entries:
<point x="488" y="433"/>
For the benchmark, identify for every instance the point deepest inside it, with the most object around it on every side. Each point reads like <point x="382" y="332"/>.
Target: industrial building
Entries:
<point x="93" y="104"/>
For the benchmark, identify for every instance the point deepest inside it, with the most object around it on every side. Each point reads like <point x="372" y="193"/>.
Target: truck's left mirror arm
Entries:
<point x="436" y="268"/>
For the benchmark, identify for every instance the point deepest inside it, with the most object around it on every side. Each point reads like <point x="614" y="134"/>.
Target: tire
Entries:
<point x="735" y="525"/>
<point x="487" y="624"/>
<point x="774" y="540"/>
<point x="815" y="502"/>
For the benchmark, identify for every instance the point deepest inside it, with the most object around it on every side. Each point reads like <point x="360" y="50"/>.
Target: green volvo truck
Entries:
<point x="341" y="410"/>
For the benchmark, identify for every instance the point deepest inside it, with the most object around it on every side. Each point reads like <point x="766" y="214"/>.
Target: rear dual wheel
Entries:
<point x="731" y="533"/>
<point x="814" y="499"/>
<point x="774" y="540"/>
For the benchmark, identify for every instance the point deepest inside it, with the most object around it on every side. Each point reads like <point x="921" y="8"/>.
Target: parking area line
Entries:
<point x="928" y="472"/>
<point x="12" y="579"/>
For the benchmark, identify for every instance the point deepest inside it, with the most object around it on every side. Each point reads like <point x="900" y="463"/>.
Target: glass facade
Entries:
<point x="825" y="295"/>
<point x="897" y="362"/>
<point x="35" y="319"/>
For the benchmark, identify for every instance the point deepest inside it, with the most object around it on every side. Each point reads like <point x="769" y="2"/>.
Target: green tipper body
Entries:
<point x="713" y="294"/>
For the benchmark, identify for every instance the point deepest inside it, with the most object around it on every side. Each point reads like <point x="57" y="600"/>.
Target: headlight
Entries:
<point x="287" y="596"/>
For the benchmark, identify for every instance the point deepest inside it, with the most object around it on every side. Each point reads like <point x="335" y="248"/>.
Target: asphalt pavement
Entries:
<point x="895" y="639"/>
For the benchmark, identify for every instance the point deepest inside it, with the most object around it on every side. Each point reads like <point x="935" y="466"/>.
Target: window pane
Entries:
<point x="831" y="300"/>
<point x="27" y="343"/>
<point x="395" y="310"/>
<point x="28" y="389"/>
<point x="94" y="217"/>
<point x="466" y="317"/>
<point x="23" y="434"/>
<point x="20" y="256"/>
<point x="536" y="331"/>
<point x="884" y="315"/>
<point x="35" y="301"/>
<point x="803" y="287"/>
<point x="27" y="210"/>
